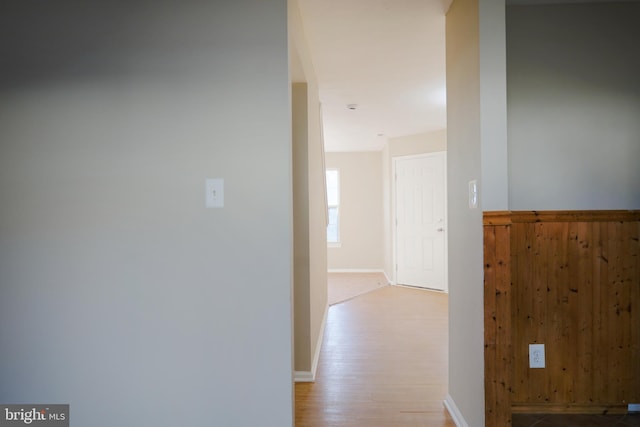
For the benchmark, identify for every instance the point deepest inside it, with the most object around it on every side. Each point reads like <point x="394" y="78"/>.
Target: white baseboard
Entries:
<point x="303" y="377"/>
<point x="354" y="270"/>
<point x="310" y="376"/>
<point x="316" y="356"/>
<point x="453" y="410"/>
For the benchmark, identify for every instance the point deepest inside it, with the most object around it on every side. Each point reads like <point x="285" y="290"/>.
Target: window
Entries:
<point x="333" y="203"/>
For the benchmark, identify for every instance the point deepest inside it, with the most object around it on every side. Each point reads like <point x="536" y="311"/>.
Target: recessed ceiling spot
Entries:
<point x="352" y="106"/>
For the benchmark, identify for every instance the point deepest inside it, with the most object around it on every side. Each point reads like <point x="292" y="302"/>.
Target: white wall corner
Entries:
<point x="310" y="376"/>
<point x="455" y="413"/>
<point x="389" y="281"/>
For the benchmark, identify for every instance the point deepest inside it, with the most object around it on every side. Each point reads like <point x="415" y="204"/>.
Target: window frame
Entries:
<point x="331" y="243"/>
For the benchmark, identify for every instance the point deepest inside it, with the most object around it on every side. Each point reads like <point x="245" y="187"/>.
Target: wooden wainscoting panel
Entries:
<point x="522" y="307"/>
<point x="574" y="285"/>
<point x="490" y="327"/>
<point x="620" y="334"/>
<point x="498" y="351"/>
<point x="581" y="235"/>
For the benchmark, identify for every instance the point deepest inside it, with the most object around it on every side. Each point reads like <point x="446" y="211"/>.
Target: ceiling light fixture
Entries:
<point x="352" y="106"/>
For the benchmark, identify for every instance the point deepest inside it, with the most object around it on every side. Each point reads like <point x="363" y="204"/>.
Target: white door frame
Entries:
<point x="394" y="219"/>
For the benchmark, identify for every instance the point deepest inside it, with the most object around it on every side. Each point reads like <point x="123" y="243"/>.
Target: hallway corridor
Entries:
<point x="383" y="363"/>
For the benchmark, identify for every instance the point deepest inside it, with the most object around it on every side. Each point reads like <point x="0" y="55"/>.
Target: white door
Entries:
<point x="420" y="210"/>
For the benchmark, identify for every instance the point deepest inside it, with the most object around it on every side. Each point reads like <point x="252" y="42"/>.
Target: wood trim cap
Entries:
<point x="511" y="217"/>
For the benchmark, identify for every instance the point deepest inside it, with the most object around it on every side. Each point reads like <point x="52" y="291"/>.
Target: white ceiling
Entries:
<point x="386" y="56"/>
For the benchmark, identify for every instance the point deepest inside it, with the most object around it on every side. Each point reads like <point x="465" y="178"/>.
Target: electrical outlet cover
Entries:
<point x="536" y="356"/>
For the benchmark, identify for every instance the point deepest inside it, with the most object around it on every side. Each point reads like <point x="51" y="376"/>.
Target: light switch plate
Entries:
<point x="473" y="194"/>
<point x="214" y="193"/>
<point x="536" y="356"/>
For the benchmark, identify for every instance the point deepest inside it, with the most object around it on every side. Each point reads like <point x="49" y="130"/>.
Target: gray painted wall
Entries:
<point x="119" y="292"/>
<point x="466" y="337"/>
<point x="301" y="260"/>
<point x="314" y="298"/>
<point x="574" y="106"/>
<point x="476" y="149"/>
<point x="494" y="183"/>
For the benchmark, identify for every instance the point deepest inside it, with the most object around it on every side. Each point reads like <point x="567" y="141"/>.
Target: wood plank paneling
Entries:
<point x="574" y="285"/>
<point x="490" y="327"/>
<point x="498" y="352"/>
<point x="584" y="285"/>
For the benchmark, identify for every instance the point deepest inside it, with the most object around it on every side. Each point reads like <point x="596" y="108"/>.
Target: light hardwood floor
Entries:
<point x="383" y="363"/>
<point x="344" y="286"/>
